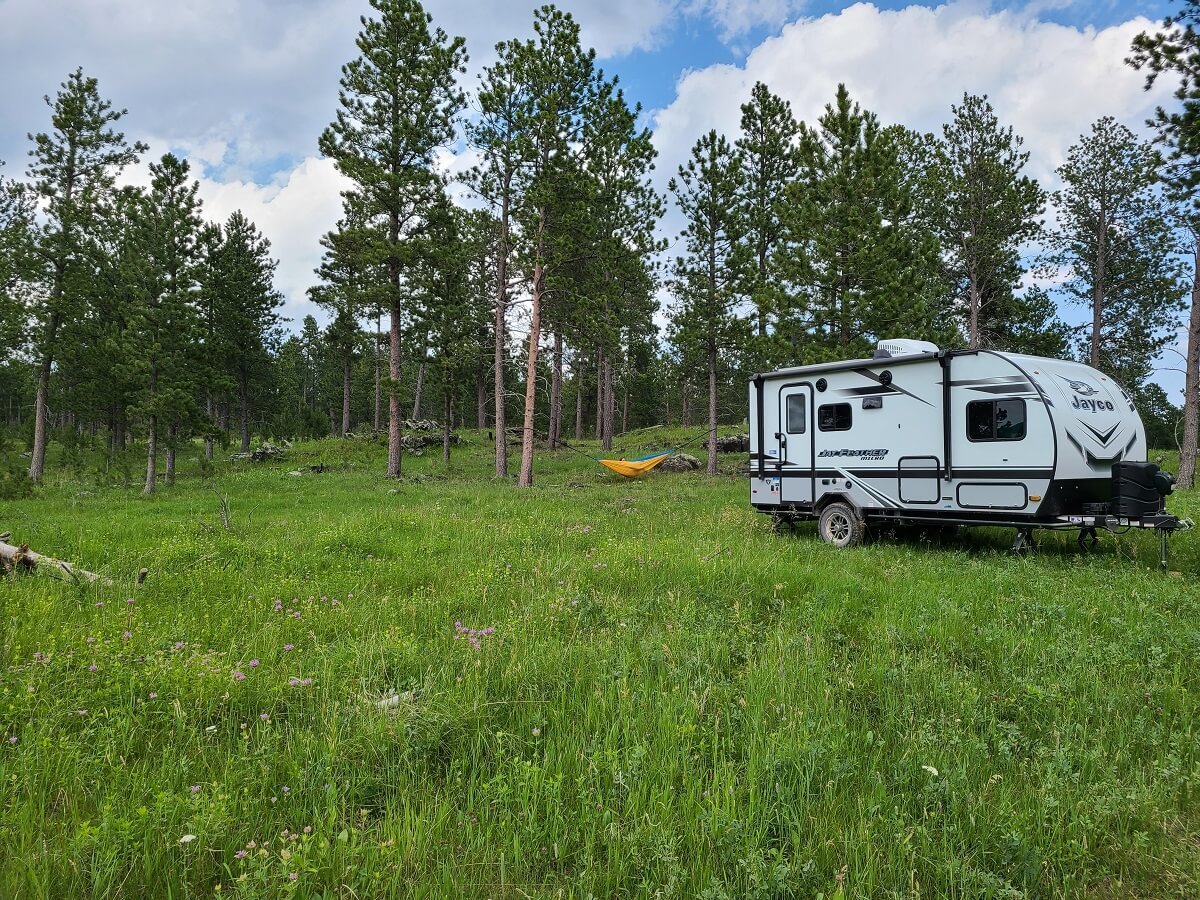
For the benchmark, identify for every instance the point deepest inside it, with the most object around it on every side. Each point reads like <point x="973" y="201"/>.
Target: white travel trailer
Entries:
<point x="917" y="435"/>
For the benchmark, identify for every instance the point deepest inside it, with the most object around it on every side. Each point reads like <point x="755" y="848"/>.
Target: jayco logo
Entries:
<point x="1082" y="388"/>
<point x="1091" y="405"/>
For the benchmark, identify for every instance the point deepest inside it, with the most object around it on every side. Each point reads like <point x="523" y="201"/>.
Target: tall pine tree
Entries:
<point x="73" y="167"/>
<point x="985" y="212"/>
<point x="859" y="265"/>
<point x="769" y="160"/>
<point x="398" y="100"/>
<point x="1114" y="244"/>
<point x="1175" y="50"/>
<point x="704" y="325"/>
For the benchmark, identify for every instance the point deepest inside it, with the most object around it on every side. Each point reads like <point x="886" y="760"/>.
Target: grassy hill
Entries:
<point x="449" y="687"/>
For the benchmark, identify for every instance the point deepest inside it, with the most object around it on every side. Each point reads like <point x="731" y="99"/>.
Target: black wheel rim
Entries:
<point x="838" y="527"/>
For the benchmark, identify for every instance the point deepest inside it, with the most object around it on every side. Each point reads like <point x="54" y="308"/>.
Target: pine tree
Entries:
<point x="1176" y="50"/>
<point x="984" y="211"/>
<point x="705" y="190"/>
<point x="769" y="160"/>
<point x="1114" y="243"/>
<point x="616" y="240"/>
<point x="245" y="304"/>
<point x="545" y="89"/>
<point x="73" y="168"/>
<point x="505" y="99"/>
<point x="398" y="100"/>
<point x="349" y="284"/>
<point x="856" y="259"/>
<point x="162" y="319"/>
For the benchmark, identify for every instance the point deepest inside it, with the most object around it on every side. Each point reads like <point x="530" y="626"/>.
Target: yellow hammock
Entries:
<point x="632" y="468"/>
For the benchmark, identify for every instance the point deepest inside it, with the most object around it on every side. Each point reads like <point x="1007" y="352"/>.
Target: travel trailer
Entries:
<point x="918" y="435"/>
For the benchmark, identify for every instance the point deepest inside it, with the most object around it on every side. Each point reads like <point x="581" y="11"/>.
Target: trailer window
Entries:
<point x="834" y="417"/>
<point x="797" y="415"/>
<point x="996" y="420"/>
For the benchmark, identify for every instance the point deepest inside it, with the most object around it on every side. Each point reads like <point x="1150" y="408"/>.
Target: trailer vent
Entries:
<point x="903" y="347"/>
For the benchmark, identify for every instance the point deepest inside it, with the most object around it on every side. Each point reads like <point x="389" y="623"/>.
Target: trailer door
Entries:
<point x="795" y="437"/>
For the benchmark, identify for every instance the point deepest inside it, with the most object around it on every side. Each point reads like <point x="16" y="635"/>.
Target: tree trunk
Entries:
<point x="151" y="457"/>
<point x="244" y="414"/>
<point x="600" y="395"/>
<point x="1191" y="384"/>
<point x="712" y="409"/>
<point x="446" y="429"/>
<point x="625" y="412"/>
<point x="347" y="364"/>
<point x="481" y="403"/>
<point x="973" y="325"/>
<point x="500" y="328"/>
<point x="172" y="434"/>
<point x="525" y="477"/>
<point x="579" y="406"/>
<point x="394" y="413"/>
<point x="208" y="440"/>
<point x="1098" y="289"/>
<point x="556" y="392"/>
<point x="609" y="404"/>
<point x="378" y="396"/>
<point x="37" y="464"/>
<point x="416" y="408"/>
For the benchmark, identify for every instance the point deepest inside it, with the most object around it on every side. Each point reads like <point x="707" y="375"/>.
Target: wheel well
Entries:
<point x="828" y="499"/>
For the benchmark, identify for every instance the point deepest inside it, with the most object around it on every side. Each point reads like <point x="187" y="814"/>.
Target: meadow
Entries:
<point x="335" y="685"/>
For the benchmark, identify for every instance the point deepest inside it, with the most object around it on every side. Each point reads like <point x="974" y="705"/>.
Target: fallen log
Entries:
<point x="23" y="558"/>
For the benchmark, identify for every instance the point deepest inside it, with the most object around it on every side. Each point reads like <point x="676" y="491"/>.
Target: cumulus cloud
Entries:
<point x="1048" y="81"/>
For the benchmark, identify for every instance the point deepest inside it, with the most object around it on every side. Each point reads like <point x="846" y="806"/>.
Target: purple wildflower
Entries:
<point x="99" y="603"/>
<point x="239" y="676"/>
<point x="266" y="717"/>
<point x="154" y="695"/>
<point x="287" y="648"/>
<point x="93" y="667"/>
<point x="241" y="854"/>
<point x="195" y="789"/>
<point x="13" y="739"/>
<point x="179" y="645"/>
<point x="127" y="634"/>
<point x="129" y="600"/>
<point x="253" y="663"/>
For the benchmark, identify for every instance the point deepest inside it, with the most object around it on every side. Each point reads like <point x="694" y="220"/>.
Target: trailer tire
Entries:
<point x="841" y="526"/>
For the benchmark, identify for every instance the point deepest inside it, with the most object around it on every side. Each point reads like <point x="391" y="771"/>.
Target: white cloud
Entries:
<point x="293" y="214"/>
<point x="1050" y="82"/>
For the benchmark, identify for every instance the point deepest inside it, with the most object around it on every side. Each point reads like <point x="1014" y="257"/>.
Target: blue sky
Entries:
<point x="243" y="87"/>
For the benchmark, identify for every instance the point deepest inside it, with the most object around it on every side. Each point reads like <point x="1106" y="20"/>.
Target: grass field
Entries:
<point x="447" y="687"/>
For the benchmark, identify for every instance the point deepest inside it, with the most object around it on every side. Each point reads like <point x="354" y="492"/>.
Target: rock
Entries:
<point x="733" y="443"/>
<point x="680" y="462"/>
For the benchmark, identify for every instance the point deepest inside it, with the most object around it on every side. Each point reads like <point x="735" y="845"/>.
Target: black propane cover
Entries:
<point x="1138" y="489"/>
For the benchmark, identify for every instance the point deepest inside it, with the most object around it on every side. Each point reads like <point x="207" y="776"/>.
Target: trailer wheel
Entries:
<point x="841" y="526"/>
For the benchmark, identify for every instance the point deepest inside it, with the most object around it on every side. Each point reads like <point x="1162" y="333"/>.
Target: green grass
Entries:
<point x="675" y="701"/>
